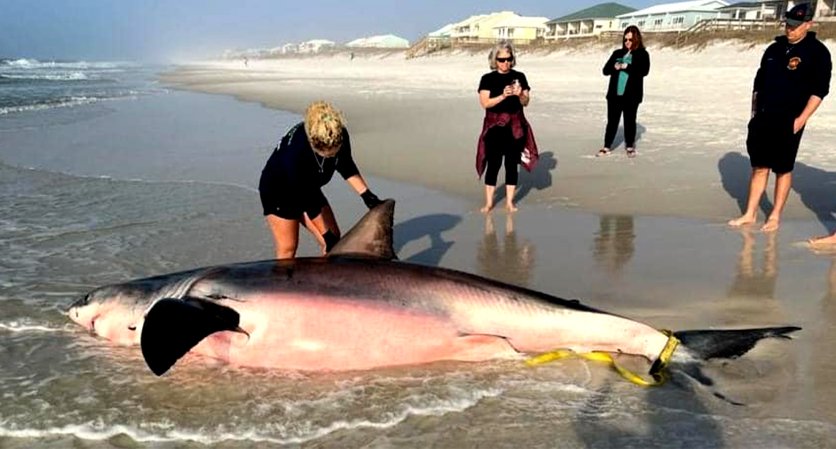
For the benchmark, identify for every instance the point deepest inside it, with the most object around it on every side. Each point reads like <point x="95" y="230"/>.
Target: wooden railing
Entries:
<point x="722" y="24"/>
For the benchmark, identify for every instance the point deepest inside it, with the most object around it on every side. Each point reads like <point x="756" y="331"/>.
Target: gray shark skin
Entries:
<point x="358" y="308"/>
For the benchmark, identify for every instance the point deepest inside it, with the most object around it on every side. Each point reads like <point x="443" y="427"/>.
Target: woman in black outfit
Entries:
<point x="291" y="181"/>
<point x="506" y="134"/>
<point x="626" y="68"/>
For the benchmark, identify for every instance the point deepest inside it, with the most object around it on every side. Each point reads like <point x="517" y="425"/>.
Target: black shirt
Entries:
<point x="496" y="82"/>
<point x="294" y="169"/>
<point x="790" y="73"/>
<point x="636" y="71"/>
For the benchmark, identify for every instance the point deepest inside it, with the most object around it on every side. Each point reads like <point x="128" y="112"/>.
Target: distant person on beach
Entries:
<point x="793" y="78"/>
<point x="291" y="182"/>
<point x="626" y="67"/>
<point x="506" y="134"/>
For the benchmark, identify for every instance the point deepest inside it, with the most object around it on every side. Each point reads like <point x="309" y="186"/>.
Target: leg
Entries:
<point x="783" y="182"/>
<point x="489" y="191"/>
<point x="757" y="185"/>
<point x="493" y="160"/>
<point x="330" y="223"/>
<point x="613" y="117"/>
<point x="285" y="236"/>
<point x="512" y="172"/>
<point x="630" y="112"/>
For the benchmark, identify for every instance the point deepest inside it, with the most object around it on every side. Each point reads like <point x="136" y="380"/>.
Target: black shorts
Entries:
<point x="283" y="204"/>
<point x="771" y="142"/>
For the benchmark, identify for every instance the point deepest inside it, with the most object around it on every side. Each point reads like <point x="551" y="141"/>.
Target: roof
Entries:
<point x="669" y="8"/>
<point x="601" y="11"/>
<point x="757" y="5"/>
<point x="443" y="31"/>
<point x="385" y="40"/>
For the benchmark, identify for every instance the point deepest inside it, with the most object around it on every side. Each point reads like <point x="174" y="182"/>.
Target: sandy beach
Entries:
<point x="417" y="120"/>
<point x="165" y="179"/>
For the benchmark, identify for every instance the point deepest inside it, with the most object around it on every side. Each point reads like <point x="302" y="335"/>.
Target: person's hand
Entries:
<point x="508" y="91"/>
<point x="331" y="240"/>
<point x="370" y="199"/>
<point x="798" y="124"/>
<point x="516" y="89"/>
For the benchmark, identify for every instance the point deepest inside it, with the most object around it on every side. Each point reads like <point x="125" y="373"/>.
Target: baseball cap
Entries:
<point x="800" y="13"/>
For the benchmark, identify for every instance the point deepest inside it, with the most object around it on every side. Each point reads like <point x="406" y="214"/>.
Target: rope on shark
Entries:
<point x="658" y="371"/>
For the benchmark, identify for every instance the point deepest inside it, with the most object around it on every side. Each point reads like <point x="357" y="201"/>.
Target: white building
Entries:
<point x="673" y="16"/>
<point x="315" y="45"/>
<point x="382" y="41"/>
<point x="521" y="30"/>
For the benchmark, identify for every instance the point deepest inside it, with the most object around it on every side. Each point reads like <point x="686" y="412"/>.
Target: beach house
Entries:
<point x="521" y="30"/>
<point x="674" y="17"/>
<point x="769" y="10"/>
<point x="315" y="45"/>
<point x="381" y="41"/>
<point x="479" y="28"/>
<point x="587" y="22"/>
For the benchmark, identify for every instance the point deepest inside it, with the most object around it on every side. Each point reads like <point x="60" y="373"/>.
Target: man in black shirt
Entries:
<point x="291" y="181"/>
<point x="793" y="78"/>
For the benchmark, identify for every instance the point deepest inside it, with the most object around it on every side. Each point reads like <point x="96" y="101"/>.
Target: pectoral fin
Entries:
<point x="174" y="326"/>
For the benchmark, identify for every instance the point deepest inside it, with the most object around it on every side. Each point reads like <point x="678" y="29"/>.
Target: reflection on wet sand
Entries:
<point x="751" y="295"/>
<point x="750" y="280"/>
<point x="824" y="337"/>
<point x="614" y="243"/>
<point x="512" y="261"/>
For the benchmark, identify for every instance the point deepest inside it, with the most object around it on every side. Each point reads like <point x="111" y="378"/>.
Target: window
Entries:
<point x="678" y="20"/>
<point x="657" y="22"/>
<point x="641" y="23"/>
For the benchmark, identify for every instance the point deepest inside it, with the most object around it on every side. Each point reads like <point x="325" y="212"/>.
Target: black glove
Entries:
<point x="331" y="240"/>
<point x="370" y="199"/>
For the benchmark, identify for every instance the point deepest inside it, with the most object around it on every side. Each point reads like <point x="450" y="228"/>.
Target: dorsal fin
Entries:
<point x="371" y="236"/>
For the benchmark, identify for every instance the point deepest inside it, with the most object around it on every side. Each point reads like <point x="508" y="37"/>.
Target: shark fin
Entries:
<point x="728" y="344"/>
<point x="174" y="326"/>
<point x="371" y="237"/>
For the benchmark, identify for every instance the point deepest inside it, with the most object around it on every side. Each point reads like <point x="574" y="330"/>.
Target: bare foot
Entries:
<point x="823" y="240"/>
<point x="771" y="225"/>
<point x="510" y="207"/>
<point x="741" y="221"/>
<point x="486" y="208"/>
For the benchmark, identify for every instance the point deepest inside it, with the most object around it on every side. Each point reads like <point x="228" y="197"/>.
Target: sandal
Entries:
<point x="631" y="152"/>
<point x="603" y="152"/>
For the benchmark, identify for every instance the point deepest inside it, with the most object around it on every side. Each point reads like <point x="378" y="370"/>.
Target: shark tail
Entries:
<point x="728" y="344"/>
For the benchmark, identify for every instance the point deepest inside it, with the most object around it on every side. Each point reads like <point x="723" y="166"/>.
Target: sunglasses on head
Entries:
<point x="508" y="59"/>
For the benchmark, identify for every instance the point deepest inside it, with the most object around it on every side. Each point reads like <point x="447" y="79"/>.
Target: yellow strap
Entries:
<point x="658" y="371"/>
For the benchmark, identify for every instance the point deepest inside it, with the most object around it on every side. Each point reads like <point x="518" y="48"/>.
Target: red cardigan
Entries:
<point x="519" y="128"/>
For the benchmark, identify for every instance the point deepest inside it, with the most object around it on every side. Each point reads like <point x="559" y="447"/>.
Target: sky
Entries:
<point x="172" y="30"/>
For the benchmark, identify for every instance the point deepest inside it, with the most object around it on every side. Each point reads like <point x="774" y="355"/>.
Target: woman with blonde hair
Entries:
<point x="506" y="134"/>
<point x="291" y="181"/>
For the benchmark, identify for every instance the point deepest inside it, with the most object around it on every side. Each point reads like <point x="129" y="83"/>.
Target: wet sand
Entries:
<point x="642" y="237"/>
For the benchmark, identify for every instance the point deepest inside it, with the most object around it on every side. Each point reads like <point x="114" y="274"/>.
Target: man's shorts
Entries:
<point x="771" y="142"/>
<point x="284" y="204"/>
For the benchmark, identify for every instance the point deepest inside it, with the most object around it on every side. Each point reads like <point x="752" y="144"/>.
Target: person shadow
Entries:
<point x="815" y="187"/>
<point x="540" y="178"/>
<point x="431" y="226"/>
<point x="614" y="243"/>
<point x="619" y="135"/>
<point x="735" y="173"/>
<point x="510" y="262"/>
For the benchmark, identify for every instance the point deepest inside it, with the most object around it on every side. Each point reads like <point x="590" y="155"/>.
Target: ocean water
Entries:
<point x="142" y="180"/>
